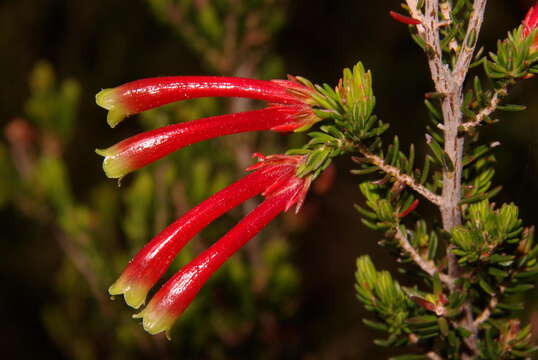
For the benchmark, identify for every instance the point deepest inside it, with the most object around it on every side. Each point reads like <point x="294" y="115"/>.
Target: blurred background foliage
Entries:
<point x="68" y="231"/>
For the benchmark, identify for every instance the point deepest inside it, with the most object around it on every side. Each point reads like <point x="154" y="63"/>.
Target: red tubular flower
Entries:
<point x="150" y="263"/>
<point x="142" y="149"/>
<point x="141" y="95"/>
<point x="178" y="292"/>
<point x="530" y="23"/>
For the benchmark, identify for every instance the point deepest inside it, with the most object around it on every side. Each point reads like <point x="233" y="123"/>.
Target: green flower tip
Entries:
<point x="134" y="295"/>
<point x="108" y="99"/>
<point x="114" y="117"/>
<point x="106" y="152"/>
<point x="155" y="322"/>
<point x="114" y="166"/>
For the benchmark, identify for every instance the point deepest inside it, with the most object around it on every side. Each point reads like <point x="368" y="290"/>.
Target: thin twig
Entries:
<point x="485" y="315"/>
<point x="428" y="30"/>
<point x="426" y="265"/>
<point x="193" y="36"/>
<point x="84" y="267"/>
<point x="488" y="110"/>
<point x="467" y="49"/>
<point x="401" y="177"/>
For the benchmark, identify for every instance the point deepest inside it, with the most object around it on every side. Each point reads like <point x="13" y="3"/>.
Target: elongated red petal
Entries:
<point x="142" y="149"/>
<point x="150" y="263"/>
<point x="178" y="292"/>
<point x="404" y="19"/>
<point x="141" y="95"/>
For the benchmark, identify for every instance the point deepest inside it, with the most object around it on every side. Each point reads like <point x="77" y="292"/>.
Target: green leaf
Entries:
<point x="486" y="287"/>
<point x="512" y="107"/>
<point x="519" y="288"/>
<point x="375" y="325"/>
<point x="443" y="326"/>
<point x="422" y="320"/>
<point x="432" y="246"/>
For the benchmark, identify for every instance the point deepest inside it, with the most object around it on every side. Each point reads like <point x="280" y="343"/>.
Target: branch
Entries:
<point x="488" y="110"/>
<point x="428" y="31"/>
<point x="445" y="83"/>
<point x="453" y="146"/>
<point x="450" y="83"/>
<point x="484" y="316"/>
<point x="452" y="115"/>
<point x="426" y="265"/>
<point x="401" y="177"/>
<point x="469" y="44"/>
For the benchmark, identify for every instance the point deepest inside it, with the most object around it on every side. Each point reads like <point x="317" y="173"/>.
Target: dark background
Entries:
<point x="104" y="43"/>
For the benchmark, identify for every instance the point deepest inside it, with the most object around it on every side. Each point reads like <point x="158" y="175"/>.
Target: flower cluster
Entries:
<point x="279" y="178"/>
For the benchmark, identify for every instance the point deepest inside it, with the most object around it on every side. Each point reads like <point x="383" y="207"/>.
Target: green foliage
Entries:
<point x="349" y="105"/>
<point x="513" y="342"/>
<point x="346" y="112"/>
<point x="487" y="233"/>
<point x="385" y="203"/>
<point x="501" y="253"/>
<point x="470" y="309"/>
<point x="50" y="106"/>
<point x="138" y="201"/>
<point x="383" y="295"/>
<point x="228" y="33"/>
<point x="513" y="59"/>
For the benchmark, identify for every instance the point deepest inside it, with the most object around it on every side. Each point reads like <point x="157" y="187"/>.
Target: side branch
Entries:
<point x="426" y="265"/>
<point x="401" y="177"/>
<point x="429" y="32"/>
<point x="467" y="50"/>
<point x="488" y="110"/>
<point x="484" y="316"/>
